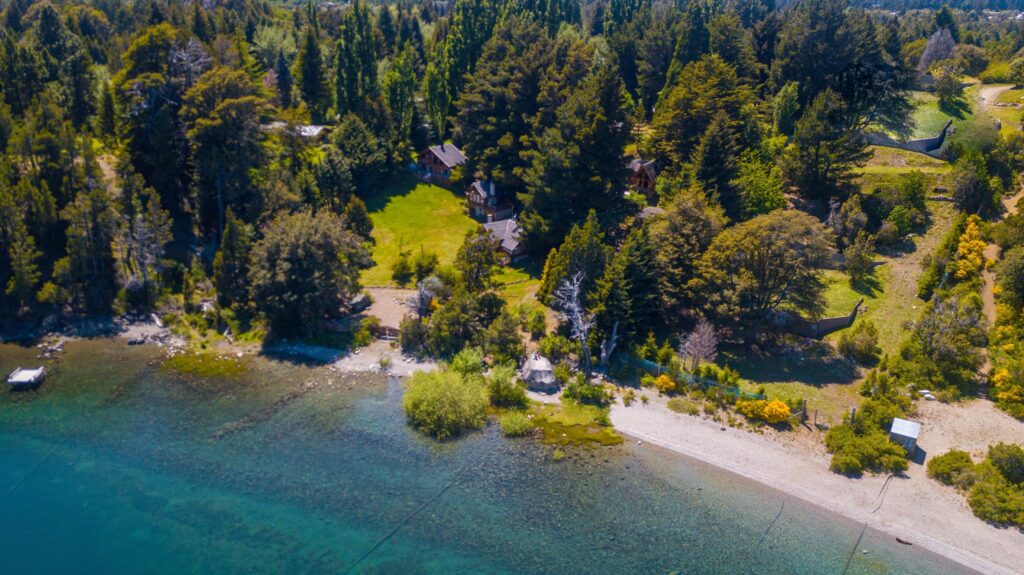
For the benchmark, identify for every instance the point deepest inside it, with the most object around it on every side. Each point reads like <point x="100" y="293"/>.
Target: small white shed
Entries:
<point x="905" y="433"/>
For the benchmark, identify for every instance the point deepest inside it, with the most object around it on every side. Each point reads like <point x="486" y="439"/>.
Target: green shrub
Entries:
<point x="556" y="347"/>
<point x="950" y="467"/>
<point x="870" y="447"/>
<point x="1009" y="460"/>
<point x="998" y="72"/>
<point x="504" y="389"/>
<point x="861" y="343"/>
<point x="445" y="403"/>
<point x="364" y="336"/>
<point x="468" y="362"/>
<point x="536" y="324"/>
<point x="582" y="391"/>
<point x="683" y="406"/>
<point x="995" y="499"/>
<point x="515" y="424"/>
<point x="846" y="464"/>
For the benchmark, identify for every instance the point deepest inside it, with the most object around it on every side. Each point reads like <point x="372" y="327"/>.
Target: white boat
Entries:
<point x="26" y="378"/>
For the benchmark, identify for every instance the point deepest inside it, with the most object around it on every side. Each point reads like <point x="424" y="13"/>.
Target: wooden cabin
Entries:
<point x="642" y="176"/>
<point x="437" y="162"/>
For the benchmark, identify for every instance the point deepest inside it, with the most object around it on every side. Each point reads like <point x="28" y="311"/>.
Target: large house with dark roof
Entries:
<point x="437" y="162"/>
<point x="483" y="203"/>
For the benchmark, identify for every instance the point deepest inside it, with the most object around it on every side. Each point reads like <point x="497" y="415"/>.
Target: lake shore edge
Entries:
<point x="913" y="508"/>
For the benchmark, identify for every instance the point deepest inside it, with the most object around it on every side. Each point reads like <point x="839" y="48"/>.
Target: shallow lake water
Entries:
<point x="116" y="465"/>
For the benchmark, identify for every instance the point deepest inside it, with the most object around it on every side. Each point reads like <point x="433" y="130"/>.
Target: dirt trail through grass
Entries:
<point x="988" y="297"/>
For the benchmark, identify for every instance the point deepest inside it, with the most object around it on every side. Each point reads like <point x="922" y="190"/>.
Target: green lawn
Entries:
<point x="414" y="215"/>
<point x="520" y="280"/>
<point x="1011" y="96"/>
<point x="888" y="164"/>
<point x="973" y="130"/>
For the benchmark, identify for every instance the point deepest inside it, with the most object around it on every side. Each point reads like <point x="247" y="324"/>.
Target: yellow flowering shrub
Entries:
<point x="970" y="251"/>
<point x="751" y="409"/>
<point x="1001" y="377"/>
<point x="776" y="412"/>
<point x="665" y="384"/>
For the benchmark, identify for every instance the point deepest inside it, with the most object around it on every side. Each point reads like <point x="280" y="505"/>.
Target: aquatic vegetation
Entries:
<point x="515" y="424"/>
<point x="571" y="423"/>
<point x="206" y="364"/>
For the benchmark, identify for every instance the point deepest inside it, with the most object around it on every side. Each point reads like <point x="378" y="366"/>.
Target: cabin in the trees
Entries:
<point x="507" y="233"/>
<point x="437" y="162"/>
<point x="483" y="202"/>
<point x="642" y="176"/>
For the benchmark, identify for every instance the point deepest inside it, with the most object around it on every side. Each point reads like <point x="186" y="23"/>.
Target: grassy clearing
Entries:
<point x="414" y="215"/>
<point x="570" y="423"/>
<point x="826" y="382"/>
<point x="519" y="280"/>
<point x="972" y="129"/>
<point x="887" y="165"/>
<point x="1011" y="96"/>
<point x="1009" y="119"/>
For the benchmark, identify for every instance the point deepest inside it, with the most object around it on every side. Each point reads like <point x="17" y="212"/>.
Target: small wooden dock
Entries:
<point x="22" y="378"/>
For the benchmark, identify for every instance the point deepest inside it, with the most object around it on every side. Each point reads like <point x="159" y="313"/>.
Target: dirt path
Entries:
<point x="988" y="298"/>
<point x="989" y="94"/>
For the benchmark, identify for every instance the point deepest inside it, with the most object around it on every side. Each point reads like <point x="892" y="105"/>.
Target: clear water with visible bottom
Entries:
<point x="116" y="465"/>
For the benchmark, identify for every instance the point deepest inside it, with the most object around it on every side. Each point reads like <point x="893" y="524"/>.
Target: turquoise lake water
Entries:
<point x="118" y="466"/>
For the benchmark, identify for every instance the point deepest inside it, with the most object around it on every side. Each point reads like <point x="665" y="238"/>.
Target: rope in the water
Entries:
<point x="854" y="550"/>
<point x="32" y="469"/>
<point x="401" y="523"/>
<point x="750" y="566"/>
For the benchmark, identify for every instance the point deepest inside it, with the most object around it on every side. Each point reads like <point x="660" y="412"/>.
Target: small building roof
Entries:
<point x="537" y="369"/>
<point x="21" y="375"/>
<point x="636" y="165"/>
<point x="906" y="428"/>
<point x="449" y="154"/>
<point x="651" y="212"/>
<point x="507" y="232"/>
<point x="485" y="188"/>
<point x="310" y="131"/>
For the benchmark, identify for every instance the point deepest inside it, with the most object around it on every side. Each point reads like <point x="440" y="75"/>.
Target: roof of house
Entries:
<point x="537" y="369"/>
<point x="651" y="212"/>
<point x="636" y="164"/>
<point x="484" y="187"/>
<point x="906" y="428"/>
<point x="507" y="232"/>
<point x="449" y="154"/>
<point x="310" y="131"/>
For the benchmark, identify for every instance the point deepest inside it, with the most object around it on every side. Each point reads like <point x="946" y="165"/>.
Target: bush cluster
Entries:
<point x="445" y="403"/>
<point x="861" y="343"/>
<point x="772" y="412"/>
<point x="994" y="487"/>
<point x="515" y="424"/>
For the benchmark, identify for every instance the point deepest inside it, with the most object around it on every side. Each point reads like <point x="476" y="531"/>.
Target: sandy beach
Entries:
<point x="912" y="507"/>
